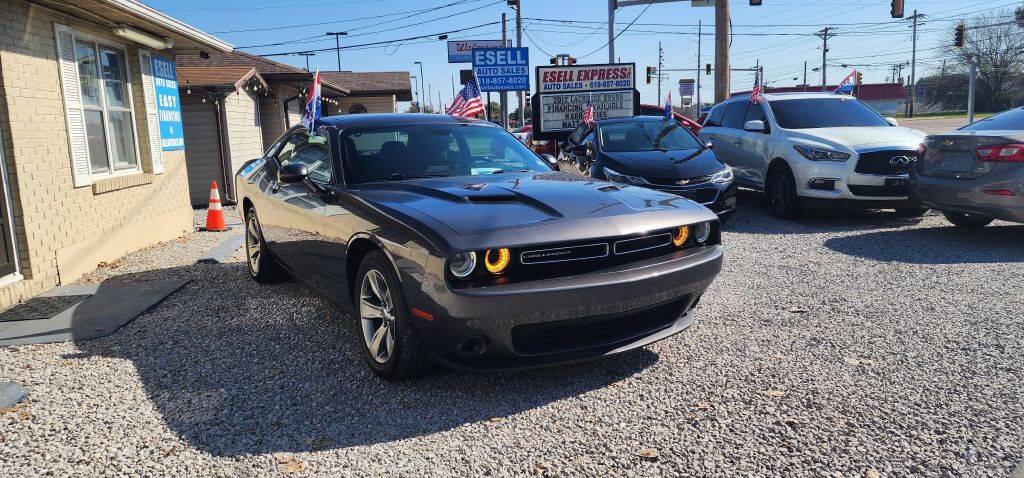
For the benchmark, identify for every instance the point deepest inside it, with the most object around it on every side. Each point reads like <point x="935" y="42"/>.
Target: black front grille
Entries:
<point x="676" y="181"/>
<point x="881" y="162"/>
<point x="575" y="334"/>
<point x="877" y="191"/>
<point x="700" y="195"/>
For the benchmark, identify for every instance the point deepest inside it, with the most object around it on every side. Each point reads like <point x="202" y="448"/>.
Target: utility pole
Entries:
<point x="420" y="63"/>
<point x="805" y="75"/>
<point x="520" y="95"/>
<point x="429" y="95"/>
<point x="913" y="65"/>
<point x="660" y="65"/>
<point x="440" y="104"/>
<point x="611" y="30"/>
<point x="697" y="112"/>
<point x="453" y="85"/>
<point x="824" y="34"/>
<point x="337" y="45"/>
<point x="503" y="96"/>
<point x="970" y="91"/>
<point x="722" y="27"/>
<point x="306" y="54"/>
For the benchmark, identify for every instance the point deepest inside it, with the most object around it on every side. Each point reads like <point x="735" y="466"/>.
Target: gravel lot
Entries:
<point x="862" y="345"/>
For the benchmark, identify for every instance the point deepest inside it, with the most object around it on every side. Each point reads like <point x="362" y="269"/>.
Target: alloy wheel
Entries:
<point x="377" y="314"/>
<point x="253" y="247"/>
<point x="780" y="193"/>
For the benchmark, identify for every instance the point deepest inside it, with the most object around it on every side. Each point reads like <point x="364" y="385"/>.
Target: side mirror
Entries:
<point x="709" y="145"/>
<point x="891" y="121"/>
<point x="549" y="159"/>
<point x="756" y="126"/>
<point x="293" y="173"/>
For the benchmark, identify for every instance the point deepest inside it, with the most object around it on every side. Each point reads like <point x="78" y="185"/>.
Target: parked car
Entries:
<point x="525" y="134"/>
<point x="655" y="153"/>
<point x="816" y="150"/>
<point x="655" y="110"/>
<point x="450" y="241"/>
<point x="975" y="174"/>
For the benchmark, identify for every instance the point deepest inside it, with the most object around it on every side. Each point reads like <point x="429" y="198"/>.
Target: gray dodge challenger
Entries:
<point x="451" y="242"/>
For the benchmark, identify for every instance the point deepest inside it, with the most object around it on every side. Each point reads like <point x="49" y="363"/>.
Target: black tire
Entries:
<point x="406" y="356"/>
<point x="911" y="211"/>
<point x="970" y="221"/>
<point x="262" y="267"/>
<point x="781" y="191"/>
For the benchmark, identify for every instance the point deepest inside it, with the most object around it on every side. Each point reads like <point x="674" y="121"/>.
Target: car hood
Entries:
<point x="861" y="136"/>
<point x="678" y="164"/>
<point x="568" y="206"/>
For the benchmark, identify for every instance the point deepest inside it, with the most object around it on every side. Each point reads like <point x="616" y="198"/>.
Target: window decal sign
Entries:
<point x="168" y="106"/>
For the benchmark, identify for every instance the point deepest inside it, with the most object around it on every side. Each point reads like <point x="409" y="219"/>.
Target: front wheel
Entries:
<point x="782" y="198"/>
<point x="262" y="267"/>
<point x="390" y="346"/>
<point x="967" y="220"/>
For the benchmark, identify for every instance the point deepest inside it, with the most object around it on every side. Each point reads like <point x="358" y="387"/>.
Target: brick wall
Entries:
<point x="51" y="216"/>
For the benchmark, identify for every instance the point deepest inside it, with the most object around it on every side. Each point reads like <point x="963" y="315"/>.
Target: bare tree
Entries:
<point x="997" y="45"/>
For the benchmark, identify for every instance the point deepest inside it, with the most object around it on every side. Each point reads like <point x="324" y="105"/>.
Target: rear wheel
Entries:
<point x="963" y="219"/>
<point x="390" y="346"/>
<point x="782" y="198"/>
<point x="262" y="267"/>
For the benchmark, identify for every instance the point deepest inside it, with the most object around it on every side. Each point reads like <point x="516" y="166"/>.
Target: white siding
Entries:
<point x="245" y="136"/>
<point x="202" y="148"/>
<point x="373" y="104"/>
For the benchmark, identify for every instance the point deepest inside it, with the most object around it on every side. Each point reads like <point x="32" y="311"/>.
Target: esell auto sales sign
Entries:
<point x="563" y="79"/>
<point x="564" y="91"/>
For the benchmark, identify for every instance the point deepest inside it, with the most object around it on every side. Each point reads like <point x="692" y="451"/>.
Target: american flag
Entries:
<point x="755" y="94"/>
<point x="588" y="114"/>
<point x="467" y="103"/>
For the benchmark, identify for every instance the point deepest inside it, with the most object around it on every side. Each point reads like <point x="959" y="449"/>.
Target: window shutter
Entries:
<point x="77" y="146"/>
<point x="152" y="117"/>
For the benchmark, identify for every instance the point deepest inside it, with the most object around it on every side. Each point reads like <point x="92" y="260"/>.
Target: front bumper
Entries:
<point x="567" y="319"/>
<point x="849" y="186"/>
<point x="719" y="198"/>
<point x="969" y="196"/>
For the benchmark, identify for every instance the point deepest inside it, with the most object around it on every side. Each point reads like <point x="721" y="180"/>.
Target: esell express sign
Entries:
<point x="558" y="79"/>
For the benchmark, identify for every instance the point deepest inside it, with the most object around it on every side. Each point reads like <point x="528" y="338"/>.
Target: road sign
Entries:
<point x="502" y="69"/>
<point x="686" y="87"/>
<point x="462" y="51"/>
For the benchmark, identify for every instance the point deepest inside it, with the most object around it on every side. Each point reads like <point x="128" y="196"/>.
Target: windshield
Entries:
<point x="824" y="113"/>
<point x="1007" y="120"/>
<point x="646" y="136"/>
<point x="432" y="150"/>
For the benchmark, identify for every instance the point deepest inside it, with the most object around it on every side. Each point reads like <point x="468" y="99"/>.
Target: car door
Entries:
<point x="293" y="228"/>
<point x="713" y="123"/>
<point x="752" y="148"/>
<point x="729" y="140"/>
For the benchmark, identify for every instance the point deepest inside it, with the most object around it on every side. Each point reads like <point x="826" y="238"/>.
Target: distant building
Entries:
<point x="886" y="98"/>
<point x="371" y="92"/>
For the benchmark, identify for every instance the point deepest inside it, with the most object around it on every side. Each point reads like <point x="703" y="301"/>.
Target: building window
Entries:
<point x="357" y="110"/>
<point x="106" y="105"/>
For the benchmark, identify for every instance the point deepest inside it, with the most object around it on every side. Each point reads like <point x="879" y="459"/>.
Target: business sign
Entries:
<point x="561" y="79"/>
<point x="564" y="111"/>
<point x="686" y="87"/>
<point x="502" y="69"/>
<point x="462" y="51"/>
<point x="168" y="106"/>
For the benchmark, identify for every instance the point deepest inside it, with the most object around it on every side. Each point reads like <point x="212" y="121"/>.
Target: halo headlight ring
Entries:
<point x="461" y="265"/>
<point x="497" y="260"/>
<point x="681" y="235"/>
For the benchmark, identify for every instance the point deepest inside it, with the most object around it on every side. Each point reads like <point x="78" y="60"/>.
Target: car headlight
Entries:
<point x="723" y="176"/>
<point x="462" y="264"/>
<point x="618" y="177"/>
<point x="681" y="235"/>
<point x="818" y="154"/>
<point x="497" y="260"/>
<point x="701" y="232"/>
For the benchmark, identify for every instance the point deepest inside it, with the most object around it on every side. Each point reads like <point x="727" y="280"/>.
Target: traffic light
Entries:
<point x="707" y="68"/>
<point x="571" y="61"/>
<point x="650" y="71"/>
<point x="755" y="3"/>
<point x="897" y="9"/>
<point x="554" y="60"/>
<point x="958" y="36"/>
<point x="859" y="78"/>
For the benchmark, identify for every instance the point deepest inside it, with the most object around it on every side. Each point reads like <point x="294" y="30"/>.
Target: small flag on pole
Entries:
<point x="312" y="110"/>
<point x="846" y="86"/>
<point x="467" y="103"/>
<point x="755" y="94"/>
<point x="588" y="114"/>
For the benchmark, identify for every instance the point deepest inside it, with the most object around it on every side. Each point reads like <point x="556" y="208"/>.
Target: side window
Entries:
<point x="755" y="112"/>
<point x="589" y="138"/>
<point x="735" y="114"/>
<point x="577" y="135"/>
<point x="715" y="117"/>
<point x="312" y="151"/>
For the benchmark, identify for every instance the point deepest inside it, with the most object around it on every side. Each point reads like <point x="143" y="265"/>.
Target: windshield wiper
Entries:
<point x="403" y="176"/>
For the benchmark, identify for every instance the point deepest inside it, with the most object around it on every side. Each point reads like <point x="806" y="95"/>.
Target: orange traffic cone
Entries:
<point x="214" y="215"/>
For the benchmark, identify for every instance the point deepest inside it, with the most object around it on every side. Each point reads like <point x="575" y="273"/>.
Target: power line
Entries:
<point x="385" y="42"/>
<point x="344" y="20"/>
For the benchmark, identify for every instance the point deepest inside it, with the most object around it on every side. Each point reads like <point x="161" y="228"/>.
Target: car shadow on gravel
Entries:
<point x="236" y="368"/>
<point x="753" y="216"/>
<point x="936" y="245"/>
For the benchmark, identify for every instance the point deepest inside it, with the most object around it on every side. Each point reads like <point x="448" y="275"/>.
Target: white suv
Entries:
<point x="815" y="150"/>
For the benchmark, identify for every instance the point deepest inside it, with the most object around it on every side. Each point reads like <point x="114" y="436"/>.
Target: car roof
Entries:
<point x="799" y="95"/>
<point x="371" y="120"/>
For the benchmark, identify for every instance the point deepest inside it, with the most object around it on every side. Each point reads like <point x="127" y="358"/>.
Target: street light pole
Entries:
<point x="520" y="95"/>
<point x="420" y="63"/>
<point x="337" y="45"/>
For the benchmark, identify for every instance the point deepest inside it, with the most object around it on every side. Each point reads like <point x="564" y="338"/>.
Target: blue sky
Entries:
<point x="866" y="35"/>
